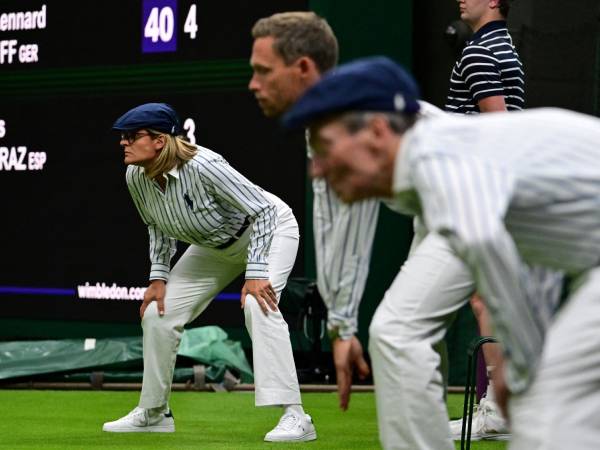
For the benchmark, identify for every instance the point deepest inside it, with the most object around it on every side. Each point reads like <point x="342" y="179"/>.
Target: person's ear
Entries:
<point x="378" y="134"/>
<point x="160" y="142"/>
<point x="379" y="126"/>
<point x="306" y="66"/>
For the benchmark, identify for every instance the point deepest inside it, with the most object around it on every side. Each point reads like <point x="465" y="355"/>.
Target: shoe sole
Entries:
<point x="496" y="437"/>
<point x="485" y="437"/>
<point x="141" y="430"/>
<point x="307" y="437"/>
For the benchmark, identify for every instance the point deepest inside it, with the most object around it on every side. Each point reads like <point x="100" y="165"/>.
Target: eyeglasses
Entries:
<point x="131" y="136"/>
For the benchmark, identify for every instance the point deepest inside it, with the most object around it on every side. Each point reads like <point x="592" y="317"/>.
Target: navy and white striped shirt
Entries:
<point x="508" y="190"/>
<point x="205" y="203"/>
<point x="489" y="66"/>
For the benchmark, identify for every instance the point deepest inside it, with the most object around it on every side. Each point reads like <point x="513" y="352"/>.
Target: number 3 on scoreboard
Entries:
<point x="190" y="126"/>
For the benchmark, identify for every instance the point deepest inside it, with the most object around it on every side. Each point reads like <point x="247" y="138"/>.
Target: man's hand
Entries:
<point x="348" y="355"/>
<point x="501" y="389"/>
<point x="156" y="291"/>
<point x="263" y="292"/>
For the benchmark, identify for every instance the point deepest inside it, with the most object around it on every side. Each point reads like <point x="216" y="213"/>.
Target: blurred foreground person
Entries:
<point x="501" y="191"/>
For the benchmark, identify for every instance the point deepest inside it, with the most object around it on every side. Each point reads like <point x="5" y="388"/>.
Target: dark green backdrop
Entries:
<point x="378" y="27"/>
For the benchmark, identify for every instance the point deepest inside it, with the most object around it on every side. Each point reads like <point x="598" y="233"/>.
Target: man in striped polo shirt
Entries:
<point x="489" y="75"/>
<point x="189" y="193"/>
<point x="503" y="190"/>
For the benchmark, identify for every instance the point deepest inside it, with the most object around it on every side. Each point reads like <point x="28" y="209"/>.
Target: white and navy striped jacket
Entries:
<point x="489" y="66"/>
<point x="508" y="190"/>
<point x="344" y="235"/>
<point x="205" y="203"/>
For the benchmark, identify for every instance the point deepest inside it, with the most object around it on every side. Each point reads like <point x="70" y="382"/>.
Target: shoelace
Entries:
<point x="487" y="410"/>
<point x="138" y="412"/>
<point x="486" y="407"/>
<point x="287" y="422"/>
<point x="479" y="413"/>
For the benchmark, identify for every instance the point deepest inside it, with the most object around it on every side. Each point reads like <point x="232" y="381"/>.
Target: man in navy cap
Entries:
<point x="500" y="191"/>
<point x="189" y="193"/>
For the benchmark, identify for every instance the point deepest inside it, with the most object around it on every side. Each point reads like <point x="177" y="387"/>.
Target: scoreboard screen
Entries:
<point x="74" y="247"/>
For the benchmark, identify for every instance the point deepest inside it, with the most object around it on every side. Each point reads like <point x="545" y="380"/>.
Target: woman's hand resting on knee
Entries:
<point x="156" y="291"/>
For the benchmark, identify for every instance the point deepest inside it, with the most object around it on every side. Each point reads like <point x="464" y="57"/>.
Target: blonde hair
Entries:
<point x="176" y="152"/>
<point x="297" y="34"/>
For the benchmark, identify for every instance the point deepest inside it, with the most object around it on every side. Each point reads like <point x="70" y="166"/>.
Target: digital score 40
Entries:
<point x="159" y="35"/>
<point x="17" y="157"/>
<point x="159" y="19"/>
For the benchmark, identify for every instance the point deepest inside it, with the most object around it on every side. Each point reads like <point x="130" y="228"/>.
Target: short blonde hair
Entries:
<point x="300" y="33"/>
<point x="176" y="152"/>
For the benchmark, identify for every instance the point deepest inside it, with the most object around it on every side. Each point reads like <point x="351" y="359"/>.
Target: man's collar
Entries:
<point x="487" y="28"/>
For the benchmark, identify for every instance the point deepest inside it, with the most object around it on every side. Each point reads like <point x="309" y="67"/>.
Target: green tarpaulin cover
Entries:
<point x="207" y="345"/>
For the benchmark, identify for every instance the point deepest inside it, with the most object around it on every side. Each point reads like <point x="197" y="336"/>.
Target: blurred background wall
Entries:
<point x="73" y="221"/>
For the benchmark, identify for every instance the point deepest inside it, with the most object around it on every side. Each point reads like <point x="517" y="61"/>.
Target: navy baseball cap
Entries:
<point x="158" y="116"/>
<point x="368" y="84"/>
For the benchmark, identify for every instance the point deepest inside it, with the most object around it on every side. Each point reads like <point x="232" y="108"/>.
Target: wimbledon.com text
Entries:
<point x="100" y="291"/>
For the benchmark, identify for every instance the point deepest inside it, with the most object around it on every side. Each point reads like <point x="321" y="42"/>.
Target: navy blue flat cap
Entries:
<point x="367" y="84"/>
<point x="157" y="116"/>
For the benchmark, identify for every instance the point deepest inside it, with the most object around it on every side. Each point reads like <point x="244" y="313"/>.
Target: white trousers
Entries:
<point x="561" y="409"/>
<point x="414" y="315"/>
<point x="199" y="275"/>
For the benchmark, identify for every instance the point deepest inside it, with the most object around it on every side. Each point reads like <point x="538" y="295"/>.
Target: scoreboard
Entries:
<point x="73" y="245"/>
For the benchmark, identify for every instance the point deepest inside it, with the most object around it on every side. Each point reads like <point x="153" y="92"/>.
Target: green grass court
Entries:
<point x="72" y="420"/>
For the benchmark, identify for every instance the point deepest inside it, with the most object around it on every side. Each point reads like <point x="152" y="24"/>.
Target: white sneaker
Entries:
<point x="487" y="424"/>
<point x="292" y="427"/>
<point x="142" y="420"/>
